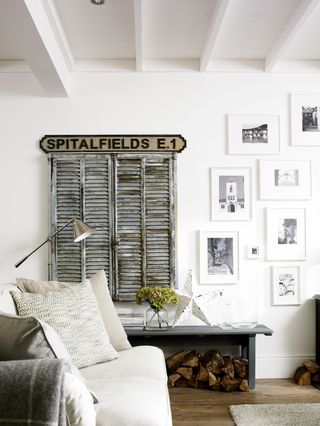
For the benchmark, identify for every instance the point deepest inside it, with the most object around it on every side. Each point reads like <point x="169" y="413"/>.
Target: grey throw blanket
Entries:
<point x="32" y="392"/>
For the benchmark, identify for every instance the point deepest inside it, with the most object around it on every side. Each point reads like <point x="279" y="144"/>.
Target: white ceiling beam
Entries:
<point x="138" y="33"/>
<point x="28" y="24"/>
<point x="300" y="17"/>
<point x="215" y="26"/>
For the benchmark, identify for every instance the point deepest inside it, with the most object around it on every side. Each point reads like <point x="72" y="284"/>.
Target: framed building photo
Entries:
<point x="305" y="120"/>
<point x="285" y="180"/>
<point x="230" y="193"/>
<point x="286" y="234"/>
<point x="286" y="285"/>
<point x="253" y="134"/>
<point x="219" y="257"/>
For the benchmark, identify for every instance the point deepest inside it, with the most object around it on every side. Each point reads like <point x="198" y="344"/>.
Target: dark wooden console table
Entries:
<point x="193" y="335"/>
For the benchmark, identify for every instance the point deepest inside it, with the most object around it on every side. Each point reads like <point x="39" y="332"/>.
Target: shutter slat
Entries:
<point x="157" y="200"/>
<point x="97" y="215"/>
<point x="68" y="205"/>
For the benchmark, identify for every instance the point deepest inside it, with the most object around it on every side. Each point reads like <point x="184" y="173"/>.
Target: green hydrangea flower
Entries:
<point x="157" y="297"/>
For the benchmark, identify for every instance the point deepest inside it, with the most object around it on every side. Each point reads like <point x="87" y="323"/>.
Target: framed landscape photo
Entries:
<point x="286" y="285"/>
<point x="219" y="257"/>
<point x="230" y="193"/>
<point x="253" y="134"/>
<point x="305" y="120"/>
<point x="286" y="234"/>
<point x="285" y="180"/>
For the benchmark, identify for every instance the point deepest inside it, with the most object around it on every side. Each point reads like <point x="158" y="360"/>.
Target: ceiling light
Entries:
<point x="98" y="2"/>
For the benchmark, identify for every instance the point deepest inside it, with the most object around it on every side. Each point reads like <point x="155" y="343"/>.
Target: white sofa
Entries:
<point x="132" y="389"/>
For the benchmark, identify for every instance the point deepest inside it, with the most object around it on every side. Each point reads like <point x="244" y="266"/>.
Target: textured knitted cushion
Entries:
<point x="74" y="314"/>
<point x="99" y="284"/>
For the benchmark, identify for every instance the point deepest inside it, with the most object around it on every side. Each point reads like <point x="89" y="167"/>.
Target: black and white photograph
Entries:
<point x="310" y="118"/>
<point x="219" y="257"/>
<point x="286" y="234"/>
<point x="285" y="179"/>
<point x="255" y="133"/>
<point x="286" y="285"/>
<point x="305" y="119"/>
<point x="231" y="193"/>
<point x="287" y="231"/>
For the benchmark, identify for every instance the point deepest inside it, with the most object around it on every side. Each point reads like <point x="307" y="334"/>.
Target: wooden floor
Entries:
<point x="196" y="407"/>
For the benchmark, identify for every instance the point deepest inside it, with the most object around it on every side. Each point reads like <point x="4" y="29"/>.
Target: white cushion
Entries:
<point x="140" y="361"/>
<point x="79" y="403"/>
<point x="132" y="390"/>
<point x="7" y="305"/>
<point x="132" y="402"/>
<point x="99" y="283"/>
<point x="74" y="314"/>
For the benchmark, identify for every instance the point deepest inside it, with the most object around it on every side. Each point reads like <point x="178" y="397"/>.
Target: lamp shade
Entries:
<point x="80" y="230"/>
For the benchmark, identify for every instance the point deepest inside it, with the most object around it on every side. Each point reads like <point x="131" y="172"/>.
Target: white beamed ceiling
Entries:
<point x="157" y="35"/>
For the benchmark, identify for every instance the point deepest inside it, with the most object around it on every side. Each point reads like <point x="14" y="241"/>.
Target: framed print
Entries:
<point x="286" y="285"/>
<point x="305" y="120"/>
<point x="219" y="257"/>
<point x="253" y="252"/>
<point x="285" y="180"/>
<point x="253" y="134"/>
<point x="230" y="193"/>
<point x="286" y="234"/>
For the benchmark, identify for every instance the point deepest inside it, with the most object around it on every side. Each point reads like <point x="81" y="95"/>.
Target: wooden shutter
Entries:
<point x="129" y="200"/>
<point x="80" y="188"/>
<point x="144" y="223"/>
<point x="66" y="204"/>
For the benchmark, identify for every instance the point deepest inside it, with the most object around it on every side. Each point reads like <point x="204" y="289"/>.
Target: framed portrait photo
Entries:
<point x="285" y="180"/>
<point x="305" y="120"/>
<point x="286" y="234"/>
<point x="219" y="257"/>
<point x="253" y="134"/>
<point x="230" y="193"/>
<point x="286" y="285"/>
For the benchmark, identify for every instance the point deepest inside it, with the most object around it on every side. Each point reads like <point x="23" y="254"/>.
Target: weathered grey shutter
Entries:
<point x="80" y="188"/>
<point x="129" y="200"/>
<point x="144" y="223"/>
<point x="66" y="203"/>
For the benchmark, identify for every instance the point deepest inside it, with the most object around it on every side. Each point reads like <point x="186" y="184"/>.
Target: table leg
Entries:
<point x="252" y="360"/>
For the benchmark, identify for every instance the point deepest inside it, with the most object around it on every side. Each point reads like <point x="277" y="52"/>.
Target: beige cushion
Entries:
<point x="99" y="283"/>
<point x="7" y="305"/>
<point x="79" y="403"/>
<point x="74" y="314"/>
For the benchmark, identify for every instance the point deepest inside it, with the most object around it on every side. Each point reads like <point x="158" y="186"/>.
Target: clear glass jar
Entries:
<point x="156" y="319"/>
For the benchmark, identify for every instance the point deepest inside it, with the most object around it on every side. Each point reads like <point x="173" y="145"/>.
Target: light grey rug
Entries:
<point x="276" y="414"/>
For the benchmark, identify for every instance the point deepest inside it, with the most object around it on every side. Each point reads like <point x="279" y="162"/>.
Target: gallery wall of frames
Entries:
<point x="281" y="180"/>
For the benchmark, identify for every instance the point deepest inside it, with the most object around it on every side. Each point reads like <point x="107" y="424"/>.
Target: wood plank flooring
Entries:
<point x="197" y="407"/>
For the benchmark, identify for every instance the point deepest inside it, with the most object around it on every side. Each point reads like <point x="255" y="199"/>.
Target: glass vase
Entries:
<point x="156" y="319"/>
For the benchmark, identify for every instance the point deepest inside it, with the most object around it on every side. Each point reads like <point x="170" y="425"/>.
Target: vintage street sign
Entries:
<point x="112" y="143"/>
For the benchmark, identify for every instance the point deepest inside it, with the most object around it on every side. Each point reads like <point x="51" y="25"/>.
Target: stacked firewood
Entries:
<point x="208" y="371"/>
<point x="308" y="373"/>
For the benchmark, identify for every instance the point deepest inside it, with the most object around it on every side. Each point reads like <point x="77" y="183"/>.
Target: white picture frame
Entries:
<point x="286" y="285"/>
<point x="285" y="179"/>
<point x="286" y="234"/>
<point x="253" y="134"/>
<point x="231" y="193"/>
<point x="219" y="257"/>
<point x="305" y="119"/>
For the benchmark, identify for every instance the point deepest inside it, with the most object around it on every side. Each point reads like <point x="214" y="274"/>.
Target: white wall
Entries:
<point x="194" y="105"/>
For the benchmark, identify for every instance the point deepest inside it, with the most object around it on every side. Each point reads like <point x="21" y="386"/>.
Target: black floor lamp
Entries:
<point x="80" y="232"/>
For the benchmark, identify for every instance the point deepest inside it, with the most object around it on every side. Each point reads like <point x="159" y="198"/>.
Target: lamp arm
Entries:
<point x="44" y="242"/>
